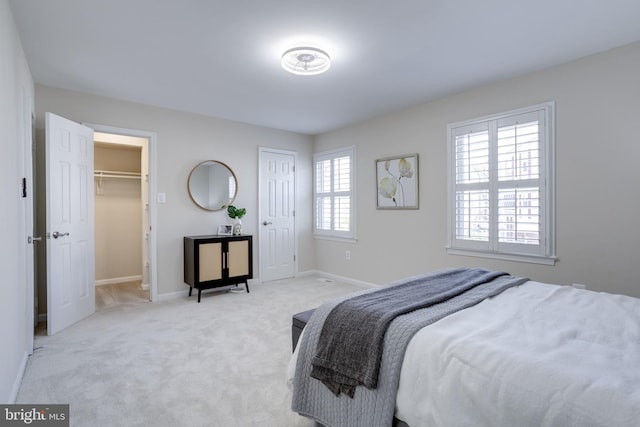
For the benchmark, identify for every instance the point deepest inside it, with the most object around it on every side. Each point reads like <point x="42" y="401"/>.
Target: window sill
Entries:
<point x="336" y="238"/>
<point x="532" y="259"/>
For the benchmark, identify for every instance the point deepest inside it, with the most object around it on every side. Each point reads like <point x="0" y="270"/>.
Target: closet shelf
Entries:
<point x="116" y="174"/>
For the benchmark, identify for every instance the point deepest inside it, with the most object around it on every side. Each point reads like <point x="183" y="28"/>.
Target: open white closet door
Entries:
<point x="70" y="222"/>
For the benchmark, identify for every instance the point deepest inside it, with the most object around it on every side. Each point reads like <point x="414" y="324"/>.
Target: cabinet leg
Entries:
<point x="246" y="285"/>
<point x="190" y="289"/>
<point x="199" y="292"/>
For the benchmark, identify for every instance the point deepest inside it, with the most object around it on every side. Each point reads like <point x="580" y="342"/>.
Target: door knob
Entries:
<point x="266" y="223"/>
<point x="57" y="234"/>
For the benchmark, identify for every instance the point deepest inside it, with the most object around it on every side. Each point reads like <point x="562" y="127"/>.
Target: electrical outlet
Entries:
<point x="347" y="255"/>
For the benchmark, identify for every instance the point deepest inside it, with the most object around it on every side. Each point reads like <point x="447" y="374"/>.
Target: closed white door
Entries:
<point x="277" y="214"/>
<point x="70" y="222"/>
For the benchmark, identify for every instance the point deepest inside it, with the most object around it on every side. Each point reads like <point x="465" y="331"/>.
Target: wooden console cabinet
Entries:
<point x="214" y="261"/>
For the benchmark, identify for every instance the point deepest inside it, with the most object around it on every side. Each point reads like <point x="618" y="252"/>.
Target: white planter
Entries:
<point x="237" y="226"/>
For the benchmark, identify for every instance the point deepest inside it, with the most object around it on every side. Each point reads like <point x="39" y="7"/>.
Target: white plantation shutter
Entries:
<point x="333" y="193"/>
<point x="519" y="181"/>
<point x="501" y="183"/>
<point x="472" y="184"/>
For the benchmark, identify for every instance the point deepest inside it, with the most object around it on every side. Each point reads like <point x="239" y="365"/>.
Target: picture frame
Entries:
<point x="397" y="182"/>
<point x="225" y="230"/>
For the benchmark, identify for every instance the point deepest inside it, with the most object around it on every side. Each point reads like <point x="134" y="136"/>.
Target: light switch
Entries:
<point x="162" y="198"/>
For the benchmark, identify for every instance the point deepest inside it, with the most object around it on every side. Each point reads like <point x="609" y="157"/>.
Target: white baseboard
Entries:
<point x="168" y="296"/>
<point x="118" y="280"/>
<point x="337" y="278"/>
<point x="18" y="380"/>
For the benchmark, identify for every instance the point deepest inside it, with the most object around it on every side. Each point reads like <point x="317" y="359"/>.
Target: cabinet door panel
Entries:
<point x="238" y="258"/>
<point x="210" y="260"/>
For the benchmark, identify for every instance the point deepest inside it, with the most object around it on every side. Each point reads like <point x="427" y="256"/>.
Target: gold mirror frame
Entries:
<point x="212" y="185"/>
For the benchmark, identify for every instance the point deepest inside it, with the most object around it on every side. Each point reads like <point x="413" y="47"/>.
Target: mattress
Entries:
<point x="537" y="354"/>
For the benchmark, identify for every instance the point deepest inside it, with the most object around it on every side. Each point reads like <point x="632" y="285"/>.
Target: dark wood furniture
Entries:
<point x="213" y="261"/>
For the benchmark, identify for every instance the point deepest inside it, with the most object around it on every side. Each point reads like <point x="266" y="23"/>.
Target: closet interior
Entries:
<point x="121" y="220"/>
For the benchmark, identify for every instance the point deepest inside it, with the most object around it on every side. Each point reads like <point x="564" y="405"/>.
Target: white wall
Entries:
<point x="598" y="204"/>
<point x="16" y="89"/>
<point x="184" y="140"/>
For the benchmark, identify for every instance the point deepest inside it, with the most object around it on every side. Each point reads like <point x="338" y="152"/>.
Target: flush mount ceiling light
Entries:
<point x="306" y="61"/>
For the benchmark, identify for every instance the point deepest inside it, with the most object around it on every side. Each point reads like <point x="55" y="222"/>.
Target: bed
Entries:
<point x="535" y="354"/>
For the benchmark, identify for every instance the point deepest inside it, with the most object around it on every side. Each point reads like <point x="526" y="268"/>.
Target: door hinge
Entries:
<point x="24" y="187"/>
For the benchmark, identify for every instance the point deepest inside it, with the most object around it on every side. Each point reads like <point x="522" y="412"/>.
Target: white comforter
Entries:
<point x="535" y="355"/>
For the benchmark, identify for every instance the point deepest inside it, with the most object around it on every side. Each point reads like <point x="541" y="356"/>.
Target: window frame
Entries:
<point x="544" y="252"/>
<point x="334" y="234"/>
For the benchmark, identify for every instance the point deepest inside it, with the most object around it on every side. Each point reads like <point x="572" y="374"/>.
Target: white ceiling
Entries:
<point x="222" y="58"/>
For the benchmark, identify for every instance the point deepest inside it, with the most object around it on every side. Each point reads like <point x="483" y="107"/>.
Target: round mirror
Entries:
<point x="212" y="185"/>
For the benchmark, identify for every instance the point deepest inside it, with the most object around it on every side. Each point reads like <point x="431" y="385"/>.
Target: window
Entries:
<point x="333" y="193"/>
<point x="501" y="186"/>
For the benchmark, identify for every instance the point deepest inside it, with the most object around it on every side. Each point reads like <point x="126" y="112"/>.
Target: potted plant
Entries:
<point x="236" y="215"/>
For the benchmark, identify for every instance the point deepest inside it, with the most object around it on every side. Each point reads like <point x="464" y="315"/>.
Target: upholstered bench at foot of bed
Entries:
<point x="299" y="321"/>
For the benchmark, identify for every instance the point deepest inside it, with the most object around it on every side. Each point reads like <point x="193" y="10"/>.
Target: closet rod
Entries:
<point x="115" y="174"/>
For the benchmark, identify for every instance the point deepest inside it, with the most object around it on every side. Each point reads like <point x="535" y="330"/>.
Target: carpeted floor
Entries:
<point x="179" y="363"/>
<point x="118" y="294"/>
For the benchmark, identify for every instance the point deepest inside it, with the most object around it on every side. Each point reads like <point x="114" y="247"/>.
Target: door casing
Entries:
<point x="152" y="188"/>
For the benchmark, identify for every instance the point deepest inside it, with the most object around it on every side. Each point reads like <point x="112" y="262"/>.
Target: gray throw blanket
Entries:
<point x="373" y="407"/>
<point x="350" y="346"/>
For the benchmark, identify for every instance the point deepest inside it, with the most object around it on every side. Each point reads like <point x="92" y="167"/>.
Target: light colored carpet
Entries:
<point x="117" y="294"/>
<point x="179" y="363"/>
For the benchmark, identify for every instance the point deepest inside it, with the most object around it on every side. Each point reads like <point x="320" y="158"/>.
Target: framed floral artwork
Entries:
<point x="397" y="182"/>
